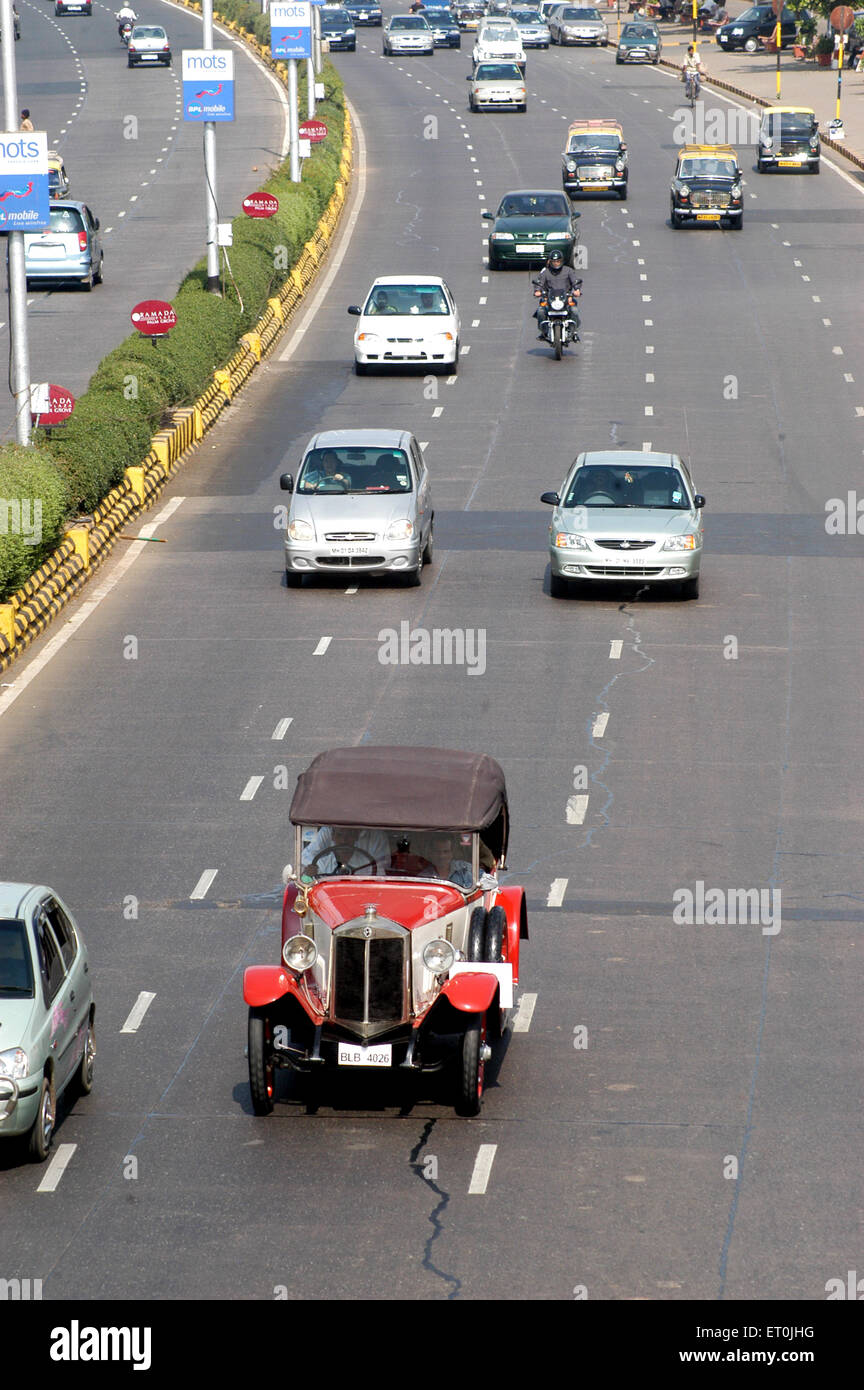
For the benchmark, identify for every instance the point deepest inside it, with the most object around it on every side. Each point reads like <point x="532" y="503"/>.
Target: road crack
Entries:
<point x="436" y="1213"/>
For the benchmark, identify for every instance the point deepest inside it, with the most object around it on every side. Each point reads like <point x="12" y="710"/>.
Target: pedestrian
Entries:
<point x="26" y="123"/>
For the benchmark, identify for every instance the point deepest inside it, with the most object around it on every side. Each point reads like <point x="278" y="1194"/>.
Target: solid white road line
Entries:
<point x="575" y="809"/>
<point x="599" y="728"/>
<point x="72" y="625"/>
<point x="615" y="650"/>
<point x="557" y="889"/>
<point x="139" y="1009"/>
<point x="282" y="727"/>
<point x="57" y="1167"/>
<point x="251" y="787"/>
<point x="524" y="1014"/>
<point x="322" y="646"/>
<point x="482" y="1169"/>
<point x="202" y="887"/>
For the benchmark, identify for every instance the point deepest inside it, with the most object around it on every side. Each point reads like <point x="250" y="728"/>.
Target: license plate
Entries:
<point x="351" y="1056"/>
<point x="790" y="161"/>
<point x="594" y="184"/>
<point x="708" y="216"/>
<point x="46" y="253"/>
<point x="350" y="549"/>
<point x="628" y="561"/>
<point x="148" y="57"/>
<point x="530" y="251"/>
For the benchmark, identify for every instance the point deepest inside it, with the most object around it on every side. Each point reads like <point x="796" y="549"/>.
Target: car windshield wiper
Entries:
<point x="15" y="989"/>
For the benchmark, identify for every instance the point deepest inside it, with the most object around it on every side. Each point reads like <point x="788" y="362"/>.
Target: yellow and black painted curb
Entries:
<point x="89" y="540"/>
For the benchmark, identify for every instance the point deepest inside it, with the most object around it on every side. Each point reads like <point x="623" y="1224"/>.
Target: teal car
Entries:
<point x="529" y="225"/>
<point x="639" y="43"/>
<point x="47" y="1040"/>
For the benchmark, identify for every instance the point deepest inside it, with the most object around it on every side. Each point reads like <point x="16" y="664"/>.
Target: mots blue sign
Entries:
<point x="208" y="84"/>
<point x="291" y="29"/>
<point x="25" y="204"/>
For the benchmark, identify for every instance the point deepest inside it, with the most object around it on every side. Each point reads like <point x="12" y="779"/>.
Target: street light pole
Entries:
<point x="20" y="353"/>
<point x="210" y="171"/>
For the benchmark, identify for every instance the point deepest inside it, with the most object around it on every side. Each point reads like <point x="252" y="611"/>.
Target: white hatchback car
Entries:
<point x="407" y="319"/>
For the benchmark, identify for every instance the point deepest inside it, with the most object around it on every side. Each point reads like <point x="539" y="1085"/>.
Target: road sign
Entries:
<point x="260" y="205"/>
<point x="842" y="18"/>
<point x="313" y="130"/>
<point x="50" y="405"/>
<point x="25" y="204"/>
<point x="208" y="84"/>
<point x="154" y="318"/>
<point x="291" y="29"/>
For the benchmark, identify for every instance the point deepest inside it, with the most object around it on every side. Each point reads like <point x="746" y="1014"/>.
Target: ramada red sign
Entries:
<point x="260" y="205"/>
<point x="154" y="317"/>
<point x="50" y="405"/>
<point x="313" y="130"/>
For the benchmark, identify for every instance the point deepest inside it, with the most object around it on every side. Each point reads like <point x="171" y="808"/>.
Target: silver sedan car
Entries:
<point x="361" y="504"/>
<point x="626" y="516"/>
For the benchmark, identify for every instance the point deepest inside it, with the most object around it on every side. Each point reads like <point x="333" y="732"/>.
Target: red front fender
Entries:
<point x="470" y="992"/>
<point x="263" y="984"/>
<point x="512" y="899"/>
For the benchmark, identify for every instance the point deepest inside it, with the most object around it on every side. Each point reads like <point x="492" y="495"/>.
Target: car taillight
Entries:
<point x="132" y="47"/>
<point x="82" y="241"/>
<point x="166" y="46"/>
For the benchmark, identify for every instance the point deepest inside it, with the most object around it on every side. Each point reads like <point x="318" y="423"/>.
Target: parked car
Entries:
<point x="529" y="225"/>
<point x="758" y="22"/>
<point x="400" y="947"/>
<point x="639" y="43"/>
<point x="595" y="158"/>
<point x="148" y="45"/>
<point x="497" y="86"/>
<point x="707" y="187"/>
<point x="47" y="1037"/>
<point x="621" y="515"/>
<point x="58" y="179"/>
<point x="407" y="33"/>
<point x="789" y="139"/>
<point x="337" y="27"/>
<point x="363" y="13"/>
<point x="577" y="24"/>
<point x="361" y="503"/>
<point x="407" y="320"/>
<point x="70" y="249"/>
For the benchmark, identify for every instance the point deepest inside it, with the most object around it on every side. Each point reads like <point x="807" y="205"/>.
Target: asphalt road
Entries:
<point x="139" y="167"/>
<point x="731" y="755"/>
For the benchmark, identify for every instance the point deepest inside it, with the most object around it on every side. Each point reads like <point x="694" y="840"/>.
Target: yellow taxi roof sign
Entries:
<point x="596" y="123"/>
<point x="708" y="152"/>
<point x="790" y="110"/>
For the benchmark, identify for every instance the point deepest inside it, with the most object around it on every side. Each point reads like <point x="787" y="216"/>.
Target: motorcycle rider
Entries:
<point x="556" y="278"/>
<point x="125" y="15"/>
<point x="691" y="68"/>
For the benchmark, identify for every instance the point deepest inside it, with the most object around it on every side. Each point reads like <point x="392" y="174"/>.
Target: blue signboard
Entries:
<point x="208" y="84"/>
<point x="291" y="29"/>
<point x="25" y="204"/>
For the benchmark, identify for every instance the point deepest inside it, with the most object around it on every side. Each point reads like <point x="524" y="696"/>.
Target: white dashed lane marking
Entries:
<point x="599" y="727"/>
<point x="524" y="1013"/>
<point x="139" y="1009"/>
<point x="482" y="1169"/>
<point x="615" y="649"/>
<point x="575" y="809"/>
<point x="57" y="1167"/>
<point x="202" y="887"/>
<point x="322" y="646"/>
<point x="282" y="728"/>
<point x="251" y="787"/>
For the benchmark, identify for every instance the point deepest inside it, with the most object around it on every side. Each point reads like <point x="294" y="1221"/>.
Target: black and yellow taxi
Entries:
<point x="789" y="139"/>
<point x="707" y="187"/>
<point x="595" y="158"/>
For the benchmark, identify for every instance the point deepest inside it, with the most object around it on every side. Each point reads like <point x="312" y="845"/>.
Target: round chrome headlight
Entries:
<point x="299" y="953"/>
<point x="438" y="956"/>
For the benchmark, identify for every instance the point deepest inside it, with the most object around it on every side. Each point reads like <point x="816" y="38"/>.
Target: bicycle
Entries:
<point x="692" y="84"/>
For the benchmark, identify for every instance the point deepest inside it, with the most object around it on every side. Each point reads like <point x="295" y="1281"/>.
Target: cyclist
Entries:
<point x="691" y="72"/>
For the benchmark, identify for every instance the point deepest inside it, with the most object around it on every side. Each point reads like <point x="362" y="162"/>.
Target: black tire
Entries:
<point x="558" y="587"/>
<point x="814" y="168"/>
<point x="475" y="943"/>
<point x="736" y="223"/>
<point x="622" y="193"/>
<point x="760" y="167"/>
<point x="99" y="277"/>
<point x="413" y="578"/>
<point x="469" y="1085"/>
<point x="261" y="1076"/>
<point x="41" y="1135"/>
<point x="494" y="263"/>
<point x="453" y="367"/>
<point x="361" y="368"/>
<point x="523" y="108"/>
<point x="675" y="219"/>
<point x="690" y="588"/>
<point x="429" y="548"/>
<point x="618" y="60"/>
<point x="293" y="580"/>
<point x="87" y="285"/>
<point x="556" y="340"/>
<point x="84" y="1078"/>
<point x="495" y="935"/>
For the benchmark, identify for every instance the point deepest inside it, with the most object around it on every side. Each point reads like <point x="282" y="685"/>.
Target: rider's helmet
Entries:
<point x="556" y="260"/>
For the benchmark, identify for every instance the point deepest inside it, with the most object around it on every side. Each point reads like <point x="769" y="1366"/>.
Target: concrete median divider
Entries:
<point x="89" y="540"/>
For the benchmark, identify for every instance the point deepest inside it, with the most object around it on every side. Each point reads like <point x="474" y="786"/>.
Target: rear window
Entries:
<point x="66" y="220"/>
<point x="148" y="31"/>
<point x="16" y="970"/>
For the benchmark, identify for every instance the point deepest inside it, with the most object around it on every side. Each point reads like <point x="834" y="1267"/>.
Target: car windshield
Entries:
<point x="533" y="205"/>
<point x="372" y="471"/>
<point x="337" y="19"/>
<point x="438" y="15"/>
<point x="422" y="301"/>
<point x="790" y="126"/>
<point x="567" y="12"/>
<point x="16" y="970"/>
<point x="613" y="485"/>
<point x="148" y="31"/>
<point x="638" y="31"/>
<point x="526" y="16"/>
<point x="580" y="143"/>
<point x="408" y="21"/>
<point x="497" y="72"/>
<point x="66" y="220"/>
<point x="707" y="169"/>
<point x="497" y="34"/>
<point x="430" y="854"/>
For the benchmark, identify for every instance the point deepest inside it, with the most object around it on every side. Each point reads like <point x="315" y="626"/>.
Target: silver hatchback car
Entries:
<point x="70" y="249"/>
<point x="626" y="516"/>
<point x="361" y="503"/>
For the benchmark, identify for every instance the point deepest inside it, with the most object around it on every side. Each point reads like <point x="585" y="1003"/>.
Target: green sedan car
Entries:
<point x="529" y="226"/>
<point x="47" y="1042"/>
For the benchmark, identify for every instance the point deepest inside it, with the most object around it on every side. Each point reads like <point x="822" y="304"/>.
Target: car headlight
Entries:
<point x="299" y="530"/>
<point x="684" y="191"/>
<point x="565" y="540"/>
<point x="400" y="530"/>
<point x="736" y="190"/>
<point x="680" y="543"/>
<point x="14" y="1063"/>
<point x="557" y="236"/>
<point x="438" y="956"/>
<point x="570" y="165"/>
<point x="619" y="165"/>
<point x="622" y="49"/>
<point x="501" y="236"/>
<point x="299" y="953"/>
<point x="814" y="142"/>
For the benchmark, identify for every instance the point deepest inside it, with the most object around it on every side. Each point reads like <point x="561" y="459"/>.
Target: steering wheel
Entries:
<point x="342" y="867"/>
<point x="340" y="484"/>
<point x="598" y="498"/>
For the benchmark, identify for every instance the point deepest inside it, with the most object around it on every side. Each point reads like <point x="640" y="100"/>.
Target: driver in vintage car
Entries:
<point x="350" y="848"/>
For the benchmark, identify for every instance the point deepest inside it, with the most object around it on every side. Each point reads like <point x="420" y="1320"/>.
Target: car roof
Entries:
<point x="532" y="193"/>
<point x="13" y="897"/>
<point x="595" y="123"/>
<point x="707" y="152"/>
<point x="358" y="439"/>
<point x="409" y="275"/>
<point x="605" y="458"/>
<point x="790" y="110"/>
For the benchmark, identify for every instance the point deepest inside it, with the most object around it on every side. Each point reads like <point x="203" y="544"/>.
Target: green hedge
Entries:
<point x="138" y="383"/>
<point x="33" y="504"/>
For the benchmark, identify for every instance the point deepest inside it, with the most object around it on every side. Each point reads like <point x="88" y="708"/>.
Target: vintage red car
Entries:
<point x="400" y="948"/>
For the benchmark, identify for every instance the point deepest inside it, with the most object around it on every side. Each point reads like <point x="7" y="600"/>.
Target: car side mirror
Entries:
<point x="550" y="498"/>
<point x="575" y="214"/>
<point x="286" y="482"/>
<point x="288" y="874"/>
<point x="354" y="309"/>
<point x="486" y="216"/>
<point x="699" y="501"/>
<point x="622" y="147"/>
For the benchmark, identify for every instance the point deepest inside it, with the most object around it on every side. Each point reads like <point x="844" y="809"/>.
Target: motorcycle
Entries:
<point x="558" y="328"/>
<point x="125" y="31"/>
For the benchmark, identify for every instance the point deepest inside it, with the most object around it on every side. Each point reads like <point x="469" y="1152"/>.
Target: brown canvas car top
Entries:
<point x="394" y="788"/>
